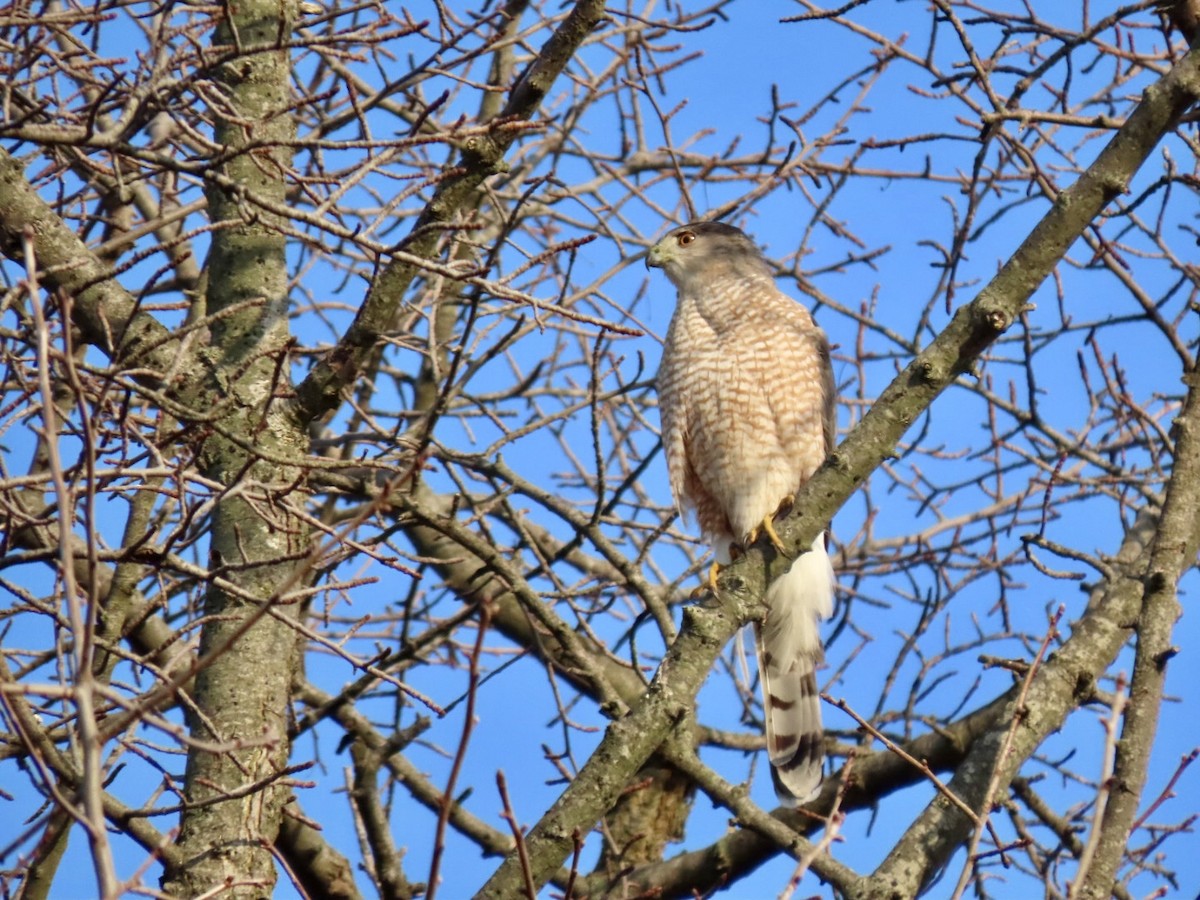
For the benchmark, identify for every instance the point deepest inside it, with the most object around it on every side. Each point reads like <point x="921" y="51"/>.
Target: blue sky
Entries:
<point x="727" y="93"/>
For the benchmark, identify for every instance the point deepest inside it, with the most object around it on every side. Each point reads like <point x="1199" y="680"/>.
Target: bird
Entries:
<point x="747" y="403"/>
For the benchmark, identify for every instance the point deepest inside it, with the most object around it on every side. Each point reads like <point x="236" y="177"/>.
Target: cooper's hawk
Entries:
<point x="746" y="396"/>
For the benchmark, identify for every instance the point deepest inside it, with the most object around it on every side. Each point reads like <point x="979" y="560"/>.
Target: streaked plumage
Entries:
<point x="747" y="405"/>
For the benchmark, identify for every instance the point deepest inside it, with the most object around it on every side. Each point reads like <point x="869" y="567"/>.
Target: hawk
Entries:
<point x="746" y="396"/>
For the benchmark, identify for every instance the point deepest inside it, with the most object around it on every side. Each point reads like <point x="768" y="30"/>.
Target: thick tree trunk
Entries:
<point x="259" y="545"/>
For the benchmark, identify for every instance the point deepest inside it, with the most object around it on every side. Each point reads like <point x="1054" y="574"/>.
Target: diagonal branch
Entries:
<point x="105" y="312"/>
<point x="482" y="156"/>
<point x="1172" y="554"/>
<point x="875" y="775"/>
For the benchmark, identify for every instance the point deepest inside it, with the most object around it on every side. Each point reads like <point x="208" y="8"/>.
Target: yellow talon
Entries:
<point x="709" y="584"/>
<point x="768" y="526"/>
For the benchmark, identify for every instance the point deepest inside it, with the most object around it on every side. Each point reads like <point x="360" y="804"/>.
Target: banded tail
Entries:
<point x="789" y="648"/>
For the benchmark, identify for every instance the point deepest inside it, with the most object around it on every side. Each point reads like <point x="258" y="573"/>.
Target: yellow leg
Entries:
<point x="709" y="584"/>
<point x="713" y="571"/>
<point x="768" y="525"/>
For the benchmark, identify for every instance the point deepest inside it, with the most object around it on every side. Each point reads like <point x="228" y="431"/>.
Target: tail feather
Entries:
<point x="789" y="649"/>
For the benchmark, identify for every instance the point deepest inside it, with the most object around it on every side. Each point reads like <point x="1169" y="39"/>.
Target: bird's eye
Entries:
<point x="686" y="238"/>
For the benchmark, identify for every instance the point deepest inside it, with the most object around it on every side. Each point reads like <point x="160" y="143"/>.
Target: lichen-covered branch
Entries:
<point x="1172" y="553"/>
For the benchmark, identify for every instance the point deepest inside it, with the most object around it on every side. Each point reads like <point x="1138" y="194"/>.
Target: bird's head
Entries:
<point x="704" y="250"/>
